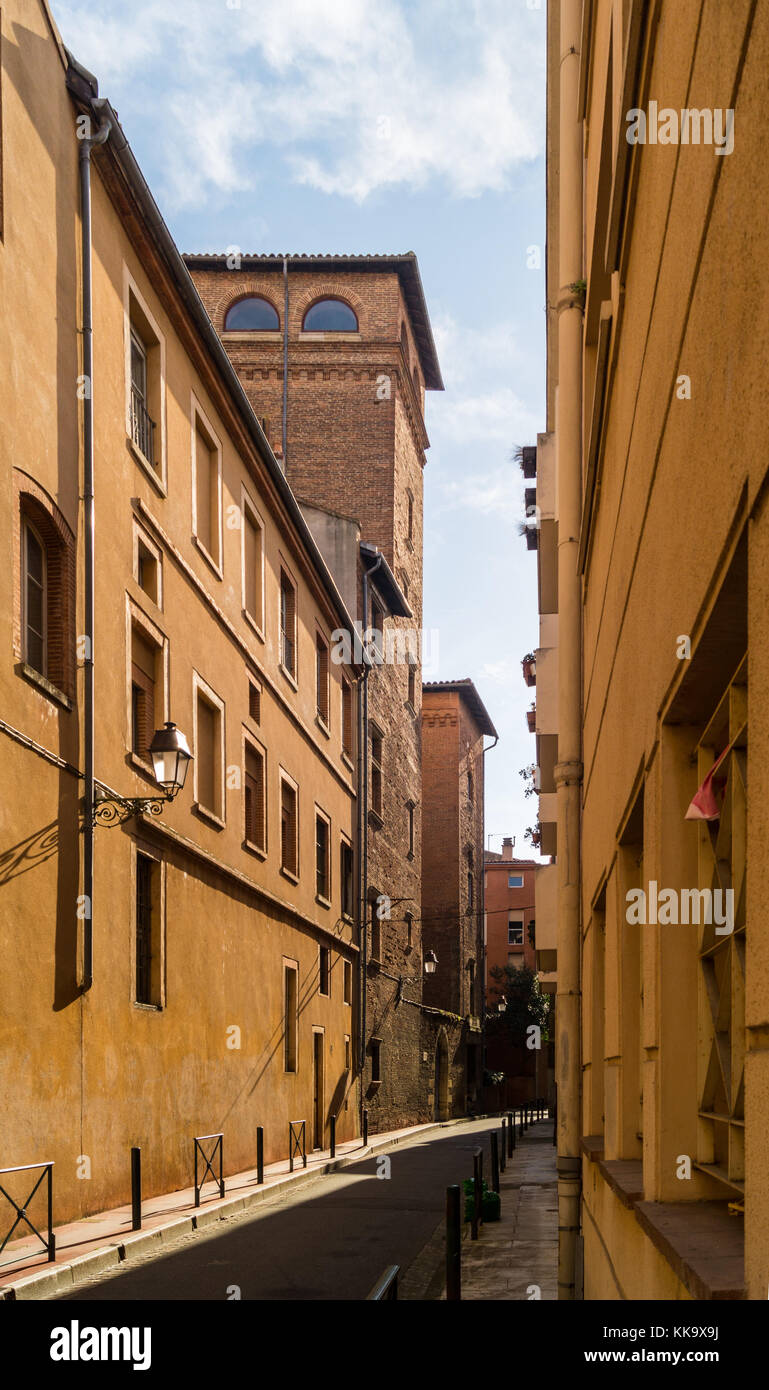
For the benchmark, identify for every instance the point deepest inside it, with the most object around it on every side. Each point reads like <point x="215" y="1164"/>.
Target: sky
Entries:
<point x="402" y="125"/>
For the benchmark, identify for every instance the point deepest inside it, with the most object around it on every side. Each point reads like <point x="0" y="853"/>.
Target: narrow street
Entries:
<point x="330" y="1241"/>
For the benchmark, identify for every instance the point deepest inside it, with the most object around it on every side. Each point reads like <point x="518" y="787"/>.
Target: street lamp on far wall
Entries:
<point x="431" y="962"/>
<point x="171" y="758"/>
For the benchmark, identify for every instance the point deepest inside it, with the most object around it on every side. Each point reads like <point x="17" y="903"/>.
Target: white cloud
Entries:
<point x="359" y="97"/>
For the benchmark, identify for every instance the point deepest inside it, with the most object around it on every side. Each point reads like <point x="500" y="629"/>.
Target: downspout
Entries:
<point x="284" y="433"/>
<point x="568" y="771"/>
<point x="86" y="145"/>
<point x="363" y="765"/>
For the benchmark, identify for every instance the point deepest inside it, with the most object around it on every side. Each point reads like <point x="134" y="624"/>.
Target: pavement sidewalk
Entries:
<point x="97" y="1243"/>
<point x="517" y="1256"/>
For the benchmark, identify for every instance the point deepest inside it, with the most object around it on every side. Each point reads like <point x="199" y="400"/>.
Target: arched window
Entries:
<point x="330" y="316"/>
<point x="251" y="315"/>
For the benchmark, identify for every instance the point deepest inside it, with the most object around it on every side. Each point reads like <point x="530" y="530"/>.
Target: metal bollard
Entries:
<point x="494" y="1141"/>
<point x="332" y="1127"/>
<point x="259" y="1154"/>
<point x="477" y="1192"/>
<point x="365" y="1128"/>
<point x="510" y="1134"/>
<point x="453" y="1245"/>
<point x="503" y="1148"/>
<point x="520" y="1129"/>
<point x="136" y="1189"/>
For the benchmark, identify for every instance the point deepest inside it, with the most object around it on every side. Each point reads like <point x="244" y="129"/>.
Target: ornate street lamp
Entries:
<point x="431" y="961"/>
<point x="171" y="757"/>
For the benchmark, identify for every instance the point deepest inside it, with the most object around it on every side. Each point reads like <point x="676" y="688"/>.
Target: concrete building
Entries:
<point x="653" y="544"/>
<point x="335" y="354"/>
<point x="198" y="970"/>
<point x="454" y="725"/>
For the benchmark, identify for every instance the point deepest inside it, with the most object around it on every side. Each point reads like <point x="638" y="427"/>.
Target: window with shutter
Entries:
<point x="287" y="624"/>
<point x="347" y="718"/>
<point x="322" y="867"/>
<point x="289" y="857"/>
<point x="254" y="783"/>
<point x="143" y="680"/>
<point x="321" y="671"/>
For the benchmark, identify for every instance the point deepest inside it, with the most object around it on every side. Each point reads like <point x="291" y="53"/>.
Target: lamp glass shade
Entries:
<point x="431" y="961"/>
<point x="171" y="757"/>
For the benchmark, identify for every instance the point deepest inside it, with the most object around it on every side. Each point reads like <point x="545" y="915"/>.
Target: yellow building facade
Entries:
<point x="653" y="541"/>
<point x="208" y="980"/>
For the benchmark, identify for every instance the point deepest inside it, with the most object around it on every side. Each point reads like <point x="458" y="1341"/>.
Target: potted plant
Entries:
<point x="531" y="718"/>
<point x="529" y="664"/>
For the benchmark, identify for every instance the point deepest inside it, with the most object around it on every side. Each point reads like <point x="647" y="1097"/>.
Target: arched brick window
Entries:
<point x="253" y="314"/>
<point x="330" y="316"/>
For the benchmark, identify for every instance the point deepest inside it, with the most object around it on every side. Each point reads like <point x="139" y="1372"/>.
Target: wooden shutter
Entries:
<point x="254" y="786"/>
<point x="143" y="665"/>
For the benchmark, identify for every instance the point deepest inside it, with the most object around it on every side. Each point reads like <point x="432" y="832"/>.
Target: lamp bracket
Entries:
<point x="111" y="809"/>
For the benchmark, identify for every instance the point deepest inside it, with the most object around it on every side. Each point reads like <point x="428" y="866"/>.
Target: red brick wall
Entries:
<point x="501" y="902"/>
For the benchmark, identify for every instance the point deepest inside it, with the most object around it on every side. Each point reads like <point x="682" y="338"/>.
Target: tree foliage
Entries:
<point x="524" y="1003"/>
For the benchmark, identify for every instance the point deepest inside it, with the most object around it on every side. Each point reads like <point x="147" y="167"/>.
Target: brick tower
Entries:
<point x="335" y="354"/>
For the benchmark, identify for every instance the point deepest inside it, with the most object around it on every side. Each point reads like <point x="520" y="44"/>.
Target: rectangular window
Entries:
<point x="35" y="600"/>
<point x="290" y="974"/>
<point x="376" y="932"/>
<point x="346" y="879"/>
<point x="147" y="567"/>
<point x="376" y="1059"/>
<point x="409" y="931"/>
<point x="410" y="813"/>
<point x="254" y="702"/>
<point x="287" y="624"/>
<point x="322" y="865"/>
<point x="324" y="970"/>
<point x="377" y="626"/>
<point x="145" y="384"/>
<point x="255" y="807"/>
<point x="515" y="880"/>
<point x="289" y="838"/>
<point x="207" y="491"/>
<point x="410" y="523"/>
<point x="514" y="932"/>
<point x="144" y="659"/>
<point x="347" y="1052"/>
<point x="412" y="691"/>
<point x="142" y="424"/>
<point x="376" y="772"/>
<point x="470" y="786"/>
<point x="321" y="677"/>
<point x="147" y="919"/>
<point x="347" y="977"/>
<point x="209" y="753"/>
<point x="253" y="567"/>
<point x="470" y="892"/>
<point x="347" y="717"/>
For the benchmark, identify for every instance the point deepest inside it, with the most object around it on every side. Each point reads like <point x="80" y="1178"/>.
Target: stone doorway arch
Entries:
<point x="442" y="1076"/>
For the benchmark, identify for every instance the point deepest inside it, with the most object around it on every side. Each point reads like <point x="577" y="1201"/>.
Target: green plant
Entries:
<point x="491" y="1206"/>
<point x="524" y="1003"/>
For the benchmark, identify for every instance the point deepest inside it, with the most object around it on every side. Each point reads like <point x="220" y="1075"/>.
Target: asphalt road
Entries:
<point x="332" y="1240"/>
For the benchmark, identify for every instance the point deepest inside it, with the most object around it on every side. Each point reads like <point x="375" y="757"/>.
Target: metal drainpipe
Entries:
<point x="284" y="434"/>
<point x="86" y="145"/>
<point x="568" y="771"/>
<point x="363" y="750"/>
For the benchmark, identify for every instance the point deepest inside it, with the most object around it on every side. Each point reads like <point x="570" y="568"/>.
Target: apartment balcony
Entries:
<point x="548" y="820"/>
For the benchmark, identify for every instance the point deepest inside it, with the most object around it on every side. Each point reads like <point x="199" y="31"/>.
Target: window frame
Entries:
<point x="137" y="618"/>
<point x="377" y="763"/>
<point x="347" y="694"/>
<point x="201" y="689"/>
<point x="27" y="527"/>
<point x="284" y="778"/>
<point x="248" y="508"/>
<point x="514" y="925"/>
<point x="157" y="958"/>
<point x="253" y="846"/>
<point x="330" y="299"/>
<point x="156" y="470"/>
<point x="322" y="682"/>
<point x="292" y="675"/>
<point x="251" y="333"/>
<point x="346" y="845"/>
<point x="290" y="1054"/>
<point x="321" y="817"/>
<point x="197" y="413"/>
<point x="324" y="956"/>
<point x="142" y="538"/>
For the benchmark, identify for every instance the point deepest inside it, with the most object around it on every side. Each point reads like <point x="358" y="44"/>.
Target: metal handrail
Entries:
<point x="142" y="426"/>
<point x="296" y="1143"/>
<point x="48" y="1245"/>
<point x="218" y="1149"/>
<point x="386" y="1287"/>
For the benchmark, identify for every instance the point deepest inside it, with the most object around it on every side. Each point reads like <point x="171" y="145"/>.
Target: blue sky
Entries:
<point x="405" y="125"/>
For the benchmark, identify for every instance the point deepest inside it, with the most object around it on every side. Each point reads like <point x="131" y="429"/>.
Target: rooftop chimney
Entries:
<point x="507" y="847"/>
